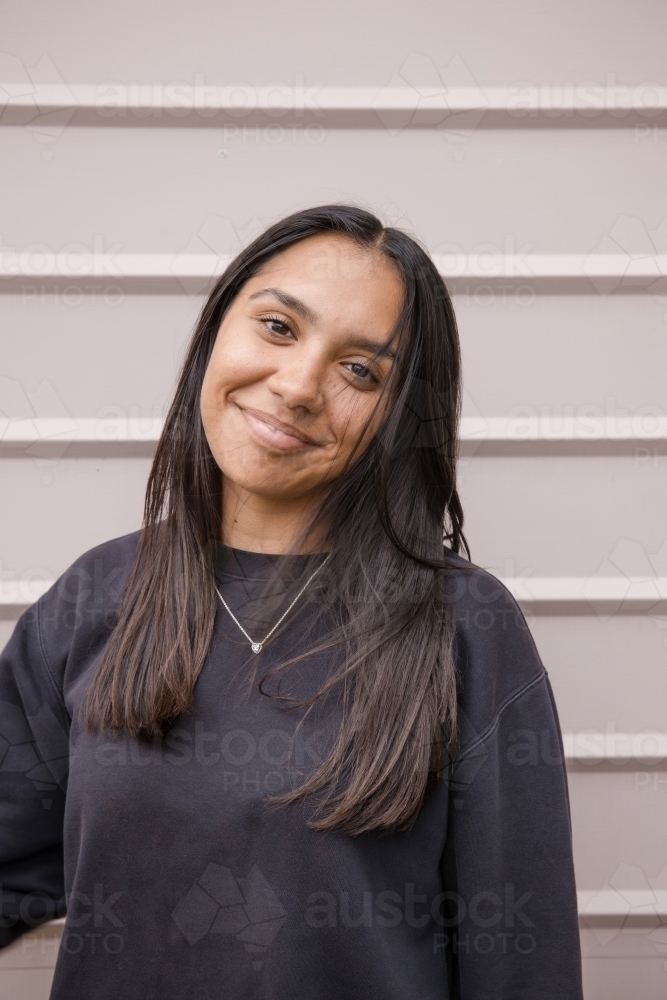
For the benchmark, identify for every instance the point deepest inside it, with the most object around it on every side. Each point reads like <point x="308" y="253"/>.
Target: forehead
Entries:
<point x="336" y="272"/>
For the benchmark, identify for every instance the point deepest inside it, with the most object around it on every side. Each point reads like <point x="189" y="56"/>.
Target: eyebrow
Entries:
<point x="301" y="309"/>
<point x="290" y="301"/>
<point x="378" y="350"/>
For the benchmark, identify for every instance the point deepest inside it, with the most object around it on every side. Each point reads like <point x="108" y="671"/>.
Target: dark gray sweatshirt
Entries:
<point x="180" y="882"/>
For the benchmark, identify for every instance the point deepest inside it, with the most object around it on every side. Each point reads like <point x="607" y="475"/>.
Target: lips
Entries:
<point x="273" y="433"/>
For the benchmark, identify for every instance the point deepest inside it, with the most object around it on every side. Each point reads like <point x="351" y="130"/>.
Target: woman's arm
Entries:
<point x="34" y="748"/>
<point x="513" y="924"/>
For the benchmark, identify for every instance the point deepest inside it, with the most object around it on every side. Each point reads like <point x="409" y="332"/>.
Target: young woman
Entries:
<point x="287" y="741"/>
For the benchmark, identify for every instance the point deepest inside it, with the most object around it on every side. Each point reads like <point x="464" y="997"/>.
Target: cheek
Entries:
<point x="240" y="357"/>
<point x="214" y="406"/>
<point x="212" y="392"/>
<point x="232" y="365"/>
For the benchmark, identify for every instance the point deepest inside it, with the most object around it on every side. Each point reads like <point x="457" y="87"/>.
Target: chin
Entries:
<point x="265" y="480"/>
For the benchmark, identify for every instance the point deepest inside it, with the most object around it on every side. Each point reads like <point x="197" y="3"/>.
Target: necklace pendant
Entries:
<point x="255" y="646"/>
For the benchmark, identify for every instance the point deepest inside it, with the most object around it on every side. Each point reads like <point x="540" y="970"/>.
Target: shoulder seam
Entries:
<point x="493" y="725"/>
<point x="49" y="672"/>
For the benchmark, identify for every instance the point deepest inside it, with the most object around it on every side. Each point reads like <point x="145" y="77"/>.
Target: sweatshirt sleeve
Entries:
<point x="513" y="925"/>
<point x="34" y="748"/>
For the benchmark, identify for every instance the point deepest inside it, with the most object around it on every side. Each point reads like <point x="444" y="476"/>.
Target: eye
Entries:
<point x="362" y="373"/>
<point x="278" y="327"/>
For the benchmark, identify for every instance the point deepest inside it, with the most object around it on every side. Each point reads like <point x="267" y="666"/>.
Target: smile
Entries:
<point x="272" y="434"/>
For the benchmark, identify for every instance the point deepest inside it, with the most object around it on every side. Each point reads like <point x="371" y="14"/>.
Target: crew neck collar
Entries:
<point x="244" y="564"/>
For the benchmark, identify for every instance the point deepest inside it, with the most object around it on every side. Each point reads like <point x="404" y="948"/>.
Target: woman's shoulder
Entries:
<point x="54" y="638"/>
<point x="79" y="608"/>
<point x="96" y="574"/>
<point x="478" y="597"/>
<point x="496" y="656"/>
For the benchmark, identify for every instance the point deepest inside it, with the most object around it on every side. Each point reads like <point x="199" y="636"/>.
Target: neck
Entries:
<point x="258" y="523"/>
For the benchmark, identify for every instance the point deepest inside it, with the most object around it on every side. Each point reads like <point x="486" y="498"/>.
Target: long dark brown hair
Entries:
<point x="390" y="521"/>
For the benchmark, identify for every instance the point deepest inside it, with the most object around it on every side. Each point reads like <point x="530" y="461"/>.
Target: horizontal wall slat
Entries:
<point x="154" y="272"/>
<point x="368" y="107"/>
<point x="629" y="907"/>
<point x="602" y="591"/>
<point x="588" y="748"/>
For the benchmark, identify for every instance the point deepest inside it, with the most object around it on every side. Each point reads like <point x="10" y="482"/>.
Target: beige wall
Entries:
<point x="564" y="186"/>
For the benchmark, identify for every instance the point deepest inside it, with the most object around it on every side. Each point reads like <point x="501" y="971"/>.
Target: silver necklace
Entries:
<point x="257" y="646"/>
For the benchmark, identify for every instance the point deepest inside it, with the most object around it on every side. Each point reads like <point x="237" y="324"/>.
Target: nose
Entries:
<point x="299" y="382"/>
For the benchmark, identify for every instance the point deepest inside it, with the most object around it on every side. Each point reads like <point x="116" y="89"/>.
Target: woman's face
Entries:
<point x="292" y="379"/>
